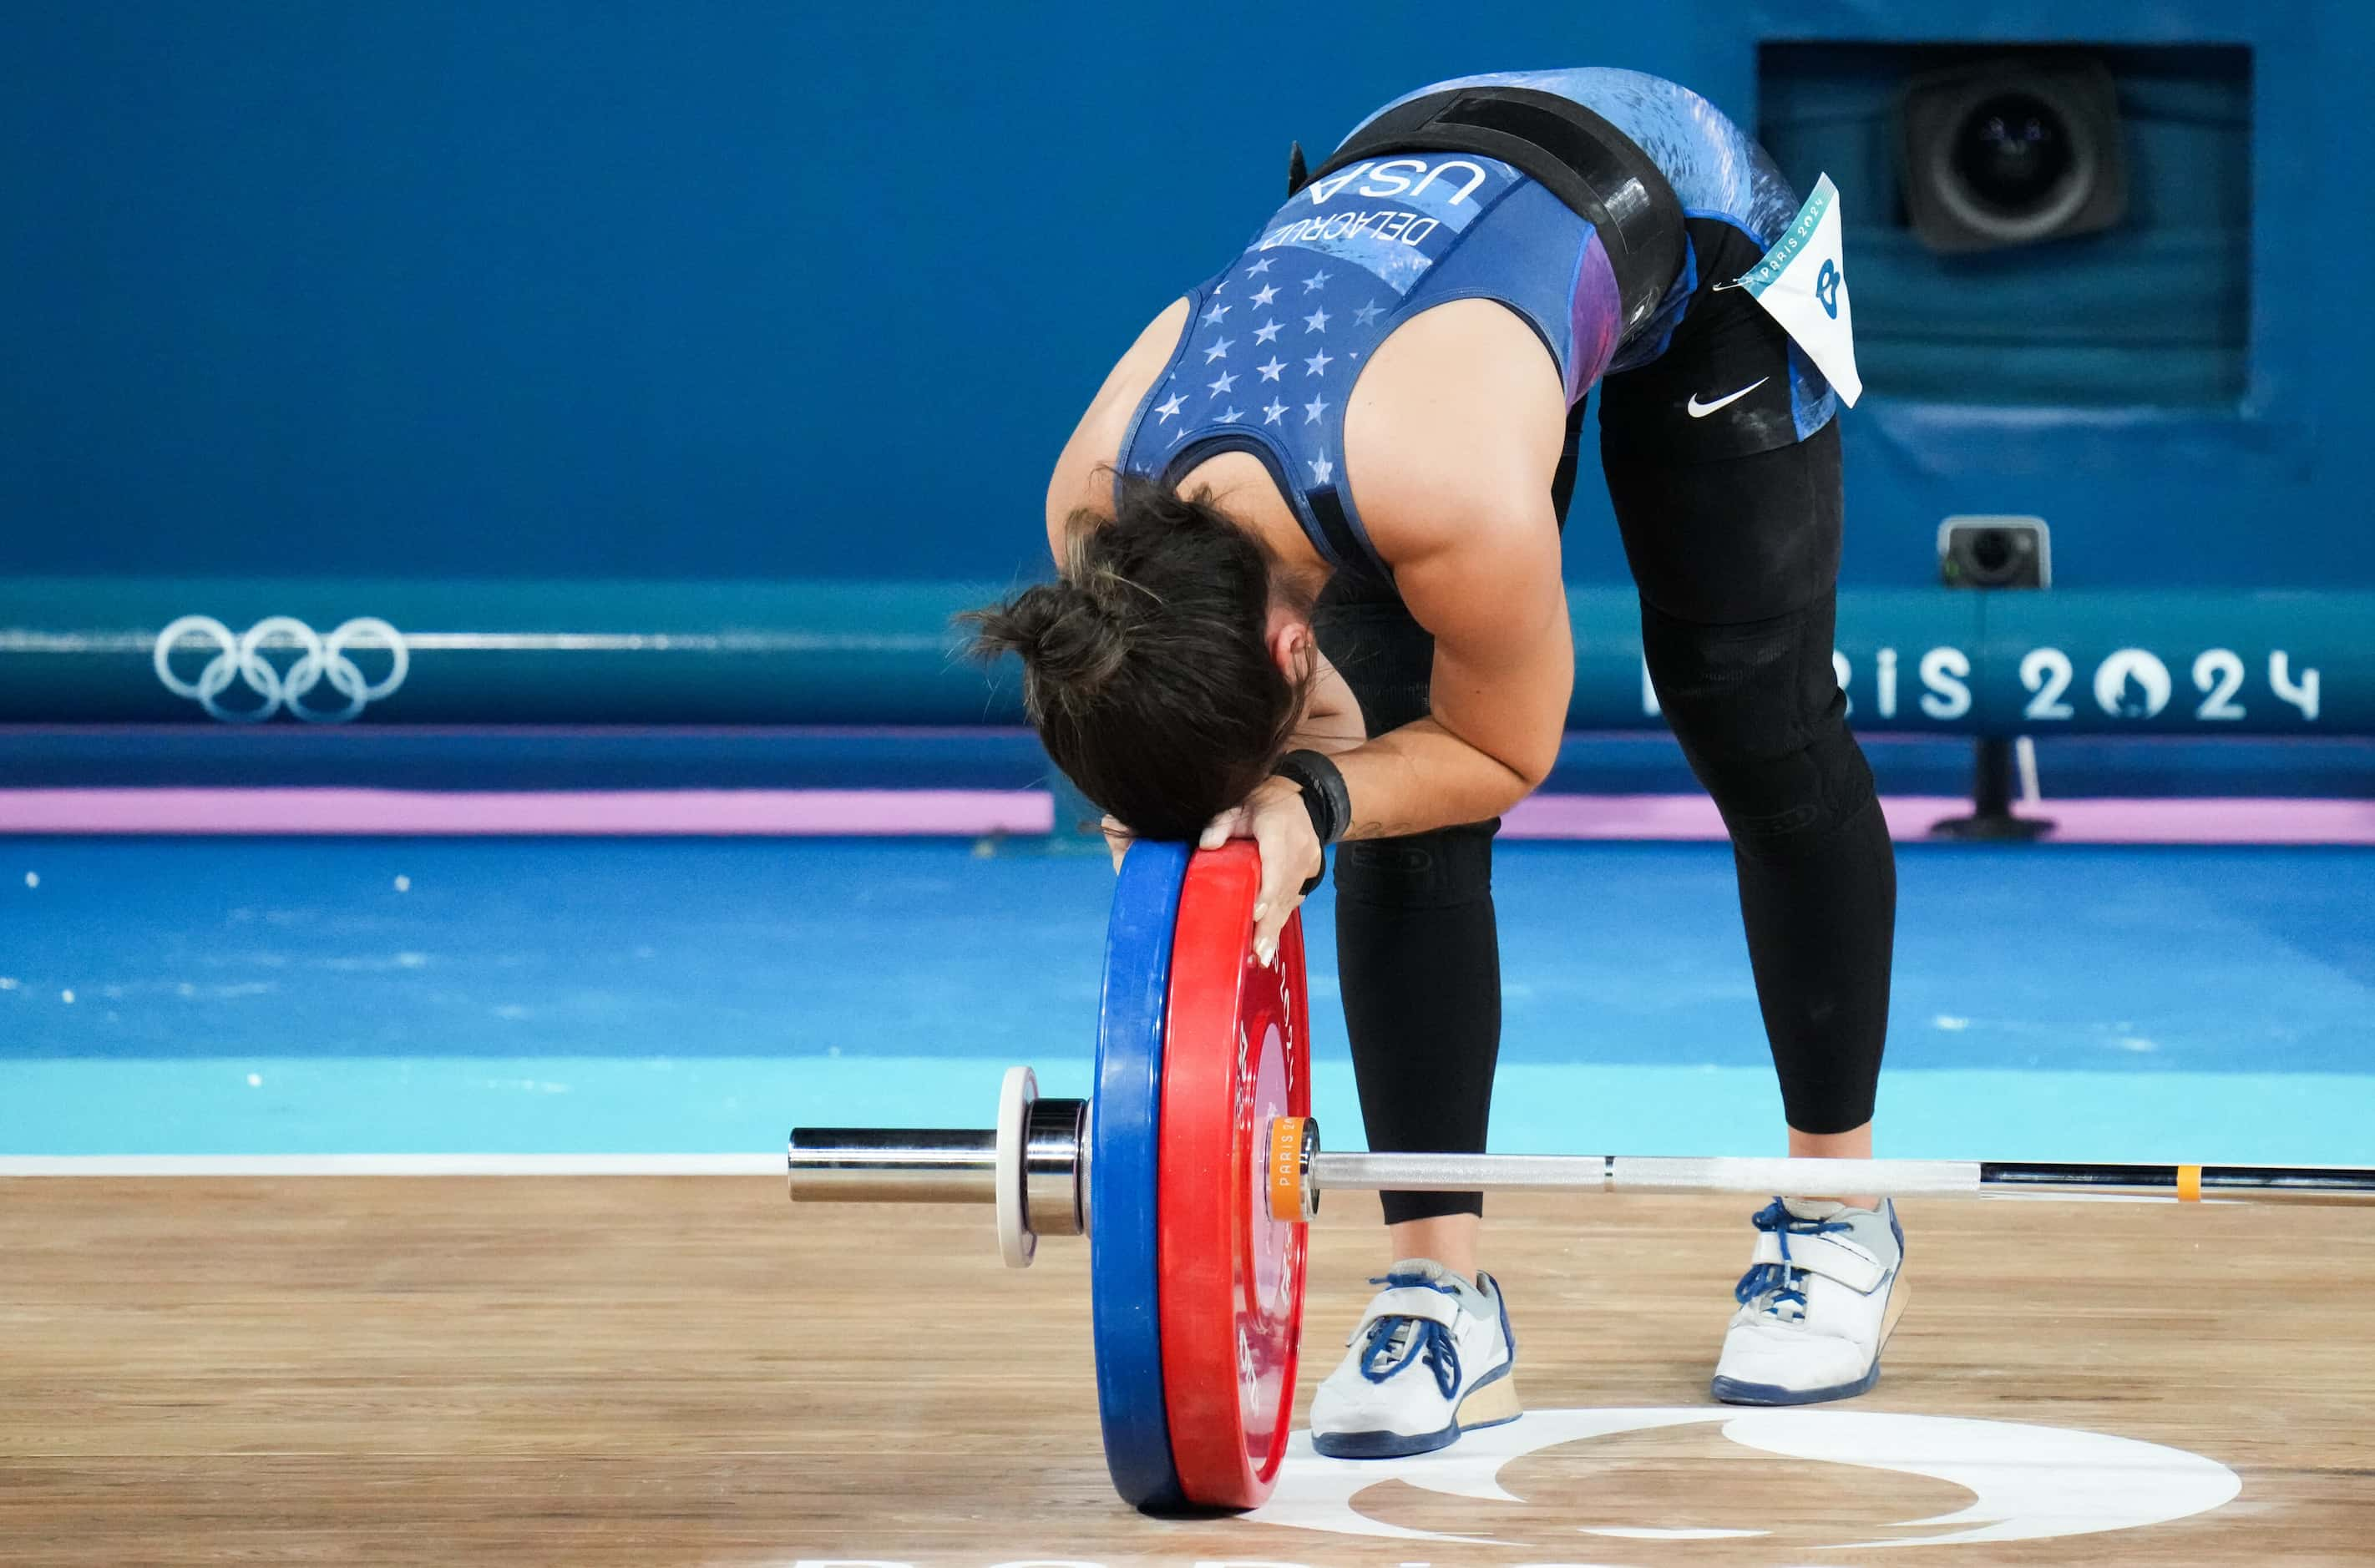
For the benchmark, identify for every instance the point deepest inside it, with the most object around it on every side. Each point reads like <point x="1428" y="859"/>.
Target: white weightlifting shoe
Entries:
<point x="1429" y="1359"/>
<point x="1821" y="1296"/>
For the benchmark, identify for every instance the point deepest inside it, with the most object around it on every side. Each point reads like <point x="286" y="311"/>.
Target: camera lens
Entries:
<point x="1991" y="551"/>
<point x="2012" y="150"/>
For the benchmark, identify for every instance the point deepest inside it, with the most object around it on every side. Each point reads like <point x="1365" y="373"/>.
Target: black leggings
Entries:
<point x="1736" y="560"/>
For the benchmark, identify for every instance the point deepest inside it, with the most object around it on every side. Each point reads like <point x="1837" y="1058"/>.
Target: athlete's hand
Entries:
<point x="1274" y="818"/>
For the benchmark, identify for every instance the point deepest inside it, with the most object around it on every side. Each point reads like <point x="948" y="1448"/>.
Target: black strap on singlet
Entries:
<point x="1352" y="557"/>
<point x="1585" y="162"/>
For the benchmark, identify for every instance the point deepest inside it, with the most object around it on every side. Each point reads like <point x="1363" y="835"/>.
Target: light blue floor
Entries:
<point x="571" y="995"/>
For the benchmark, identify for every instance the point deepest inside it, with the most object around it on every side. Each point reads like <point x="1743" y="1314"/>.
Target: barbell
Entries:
<point x="1196" y="1164"/>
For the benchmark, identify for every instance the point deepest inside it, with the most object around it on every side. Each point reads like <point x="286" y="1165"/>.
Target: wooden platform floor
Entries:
<point x="688" y="1371"/>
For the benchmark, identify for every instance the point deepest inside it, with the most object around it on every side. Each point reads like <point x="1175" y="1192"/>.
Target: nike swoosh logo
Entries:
<point x="1699" y="410"/>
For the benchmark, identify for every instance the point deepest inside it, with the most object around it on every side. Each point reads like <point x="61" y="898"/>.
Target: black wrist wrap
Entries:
<point x="1323" y="797"/>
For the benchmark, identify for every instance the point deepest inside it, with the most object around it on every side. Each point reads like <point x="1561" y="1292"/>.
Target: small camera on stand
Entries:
<point x="1993" y="553"/>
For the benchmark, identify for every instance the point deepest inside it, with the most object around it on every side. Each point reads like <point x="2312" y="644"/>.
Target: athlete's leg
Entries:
<point x="1722" y="461"/>
<point x="1417" y="950"/>
<point x="1736" y="560"/>
<point x="1418" y="965"/>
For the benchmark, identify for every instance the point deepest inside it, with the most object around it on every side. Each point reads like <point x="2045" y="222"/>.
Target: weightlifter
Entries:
<point x="1308" y="539"/>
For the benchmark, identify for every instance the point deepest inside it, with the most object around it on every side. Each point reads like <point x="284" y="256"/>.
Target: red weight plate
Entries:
<point x="1236" y="1052"/>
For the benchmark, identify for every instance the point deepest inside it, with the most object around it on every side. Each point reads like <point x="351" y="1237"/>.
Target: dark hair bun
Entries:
<point x="1071" y="638"/>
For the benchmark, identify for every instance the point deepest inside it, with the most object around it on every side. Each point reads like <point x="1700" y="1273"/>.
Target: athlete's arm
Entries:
<point x="1453" y="437"/>
<point x="1451" y="441"/>
<point x="1503" y="669"/>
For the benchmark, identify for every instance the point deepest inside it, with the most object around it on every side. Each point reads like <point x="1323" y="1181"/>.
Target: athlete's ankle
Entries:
<point x="1447" y="1240"/>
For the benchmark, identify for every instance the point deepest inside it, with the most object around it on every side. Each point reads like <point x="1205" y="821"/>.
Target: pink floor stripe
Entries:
<point x="704" y="812"/>
<point x="974" y="813"/>
<point x="2237" y="822"/>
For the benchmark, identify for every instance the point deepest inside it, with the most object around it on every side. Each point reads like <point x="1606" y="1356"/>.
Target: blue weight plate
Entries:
<point x="1125" y="1165"/>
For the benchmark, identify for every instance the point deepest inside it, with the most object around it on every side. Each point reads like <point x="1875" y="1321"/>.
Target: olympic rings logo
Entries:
<point x="320" y="661"/>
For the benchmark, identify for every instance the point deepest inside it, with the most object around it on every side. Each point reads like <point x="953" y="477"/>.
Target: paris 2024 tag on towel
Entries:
<point x="1802" y="284"/>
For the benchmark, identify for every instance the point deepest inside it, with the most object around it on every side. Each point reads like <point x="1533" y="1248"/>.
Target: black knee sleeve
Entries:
<point x="1419" y="957"/>
<point x="1761" y="718"/>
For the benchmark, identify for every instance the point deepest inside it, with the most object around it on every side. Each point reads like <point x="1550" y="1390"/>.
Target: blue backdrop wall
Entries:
<point x="744" y="288"/>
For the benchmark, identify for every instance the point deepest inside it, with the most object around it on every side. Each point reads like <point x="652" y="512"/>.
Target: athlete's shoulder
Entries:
<point x="1459" y="421"/>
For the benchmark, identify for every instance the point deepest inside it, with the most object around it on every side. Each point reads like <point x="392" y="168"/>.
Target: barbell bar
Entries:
<point x="873" y="1164"/>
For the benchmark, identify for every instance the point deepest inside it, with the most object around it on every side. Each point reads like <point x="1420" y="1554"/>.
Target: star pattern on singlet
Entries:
<point x="1323" y="306"/>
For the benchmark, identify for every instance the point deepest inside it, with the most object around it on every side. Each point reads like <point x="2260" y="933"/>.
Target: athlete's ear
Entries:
<point x="1292" y="645"/>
